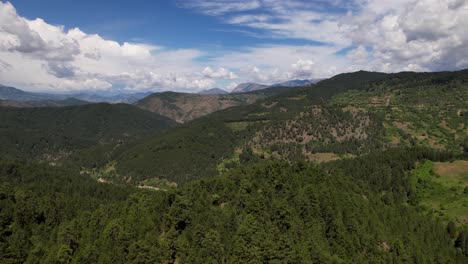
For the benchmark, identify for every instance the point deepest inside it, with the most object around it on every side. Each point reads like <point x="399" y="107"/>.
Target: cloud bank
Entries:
<point x="336" y="36"/>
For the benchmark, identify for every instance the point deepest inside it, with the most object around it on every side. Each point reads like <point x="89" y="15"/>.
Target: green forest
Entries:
<point x="363" y="167"/>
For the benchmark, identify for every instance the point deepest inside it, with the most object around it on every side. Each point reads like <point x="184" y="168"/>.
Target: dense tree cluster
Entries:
<point x="268" y="212"/>
<point x="323" y="129"/>
<point x="246" y="191"/>
<point x="35" y="199"/>
<point x="273" y="212"/>
<point x="52" y="133"/>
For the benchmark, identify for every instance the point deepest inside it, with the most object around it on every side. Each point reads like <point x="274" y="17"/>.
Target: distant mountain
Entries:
<point x="17" y="95"/>
<point x="294" y="83"/>
<point x="43" y="103"/>
<point x="214" y="91"/>
<point x="115" y="99"/>
<point x="183" y="107"/>
<point x="13" y="94"/>
<point x="248" y="87"/>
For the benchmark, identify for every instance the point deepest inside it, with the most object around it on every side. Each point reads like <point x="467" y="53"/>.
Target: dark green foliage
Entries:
<point x="35" y="199"/>
<point x="50" y="133"/>
<point x="451" y="229"/>
<point x="462" y="242"/>
<point x="300" y="122"/>
<point x="268" y="205"/>
<point x="272" y="212"/>
<point x="196" y="148"/>
<point x="423" y="109"/>
<point x="322" y="129"/>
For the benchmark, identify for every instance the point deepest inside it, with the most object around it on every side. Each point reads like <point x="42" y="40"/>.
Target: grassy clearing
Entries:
<point x="230" y="162"/>
<point x="237" y="126"/>
<point x="442" y="187"/>
<point x="454" y="171"/>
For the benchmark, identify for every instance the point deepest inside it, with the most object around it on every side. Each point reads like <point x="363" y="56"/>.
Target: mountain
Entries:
<point x="248" y="87"/>
<point x="13" y="94"/>
<point x="183" y="107"/>
<point x="344" y="116"/>
<point x="49" y="132"/>
<point x="43" y="103"/>
<point x="214" y="91"/>
<point x="114" y="99"/>
<point x="293" y="83"/>
<point x="363" y="167"/>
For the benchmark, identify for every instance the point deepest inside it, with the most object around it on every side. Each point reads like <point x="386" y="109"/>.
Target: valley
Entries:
<point x="234" y="131"/>
<point x="323" y="168"/>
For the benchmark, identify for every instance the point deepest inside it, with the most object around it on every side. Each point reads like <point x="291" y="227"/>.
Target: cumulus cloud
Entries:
<point x="270" y="64"/>
<point x="33" y="38"/>
<point x="359" y="55"/>
<point x="303" y="67"/>
<point x="335" y="36"/>
<point x="60" y="70"/>
<point x="413" y="35"/>
<point x="380" y="35"/>
<point x="37" y="55"/>
<point x="222" y="73"/>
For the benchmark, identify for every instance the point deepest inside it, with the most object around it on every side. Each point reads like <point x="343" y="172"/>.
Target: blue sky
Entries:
<point x="165" y="23"/>
<point x="140" y="21"/>
<point x="190" y="45"/>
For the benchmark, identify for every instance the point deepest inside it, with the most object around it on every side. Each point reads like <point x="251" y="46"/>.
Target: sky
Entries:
<point x="68" y="46"/>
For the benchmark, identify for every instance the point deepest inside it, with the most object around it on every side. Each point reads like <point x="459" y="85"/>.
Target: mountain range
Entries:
<point x="214" y="91"/>
<point x="248" y="87"/>
<point x="16" y="95"/>
<point x="363" y="167"/>
<point x="11" y="96"/>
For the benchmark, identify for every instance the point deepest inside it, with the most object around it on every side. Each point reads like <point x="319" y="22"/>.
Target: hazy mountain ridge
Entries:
<point x="113" y="99"/>
<point x="47" y="131"/>
<point x="14" y="94"/>
<point x="43" y="103"/>
<point x="248" y="87"/>
<point x="293" y="83"/>
<point x="214" y="91"/>
<point x="183" y="107"/>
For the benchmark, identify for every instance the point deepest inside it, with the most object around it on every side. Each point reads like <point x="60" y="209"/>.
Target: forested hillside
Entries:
<point x="51" y="133"/>
<point x="357" y="211"/>
<point x="360" y="168"/>
<point x="184" y="107"/>
<point x="320" y="122"/>
<point x="418" y="109"/>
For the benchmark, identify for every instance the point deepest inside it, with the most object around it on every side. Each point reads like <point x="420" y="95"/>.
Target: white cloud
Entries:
<point x="413" y="35"/>
<point x="285" y="19"/>
<point x="222" y="73"/>
<point x="270" y="64"/>
<point x="377" y="35"/>
<point x="387" y="35"/>
<point x="218" y="7"/>
<point x="40" y="56"/>
<point x="358" y="55"/>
